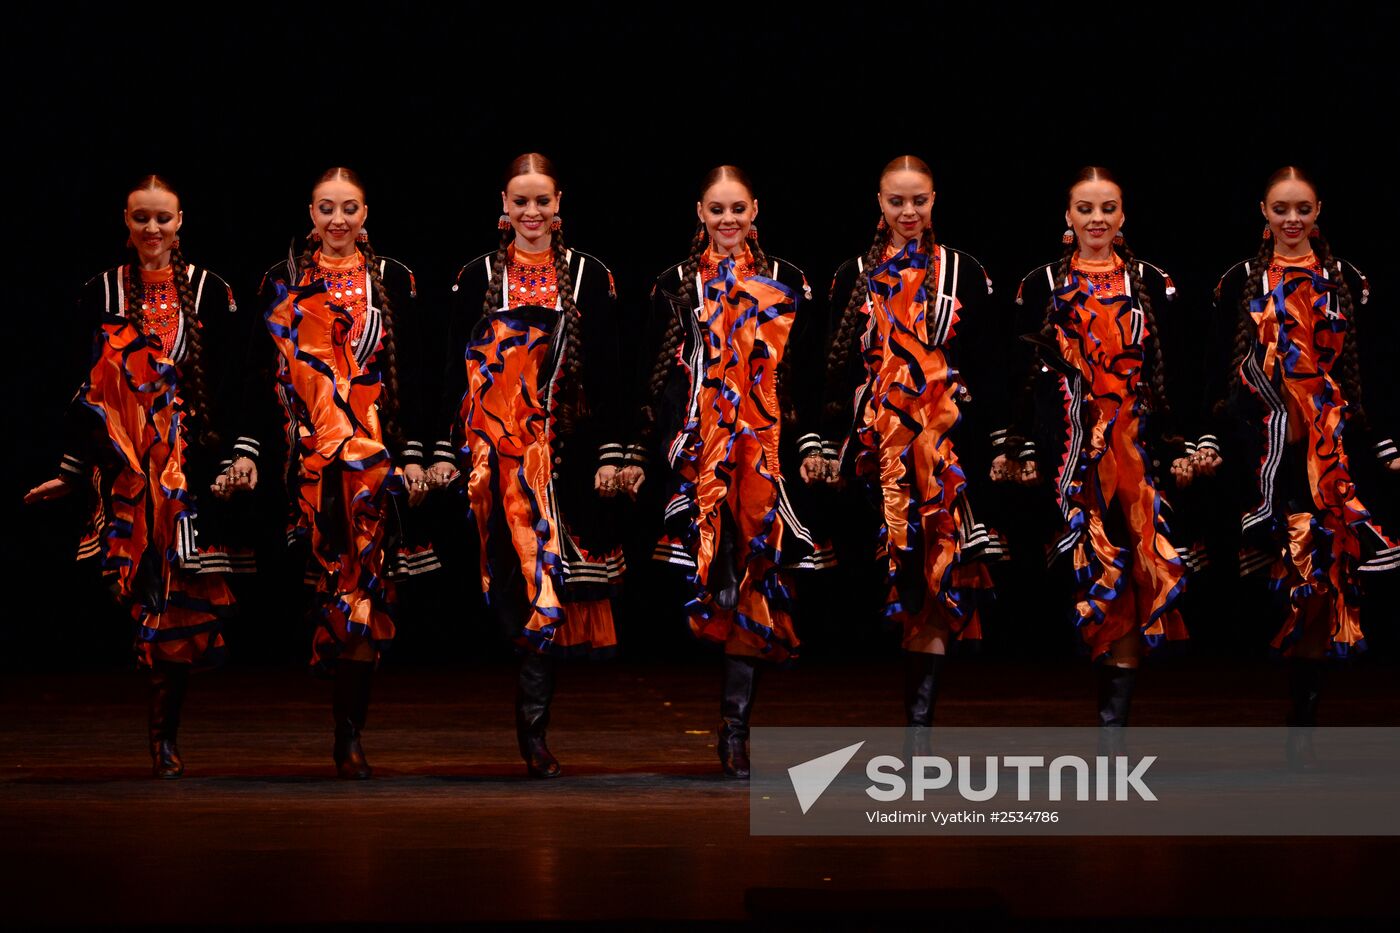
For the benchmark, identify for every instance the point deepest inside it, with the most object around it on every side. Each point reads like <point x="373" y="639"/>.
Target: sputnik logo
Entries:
<point x="811" y="778"/>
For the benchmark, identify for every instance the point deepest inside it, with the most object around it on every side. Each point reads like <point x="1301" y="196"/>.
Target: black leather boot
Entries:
<point x="922" y="673"/>
<point x="532" y="698"/>
<point x="168" y="683"/>
<point x="350" y="706"/>
<point x="1304" y="689"/>
<point x="1115" y="699"/>
<point x="740" y="674"/>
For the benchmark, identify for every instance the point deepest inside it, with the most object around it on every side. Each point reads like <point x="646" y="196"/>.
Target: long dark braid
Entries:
<point x="1347" y="368"/>
<point x="674" y="337"/>
<point x="843" y="340"/>
<point x="389" y="385"/>
<point x="572" y="403"/>
<point x="497" y="285"/>
<point x="1020" y="418"/>
<point x="192" y="383"/>
<point x="1246" y="330"/>
<point x="1154" y="386"/>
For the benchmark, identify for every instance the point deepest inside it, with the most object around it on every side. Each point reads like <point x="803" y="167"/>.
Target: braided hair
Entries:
<point x="193" y="394"/>
<point x="843" y="340"/>
<point x="568" y="390"/>
<point x="389" y="365"/>
<point x="1346" y="368"/>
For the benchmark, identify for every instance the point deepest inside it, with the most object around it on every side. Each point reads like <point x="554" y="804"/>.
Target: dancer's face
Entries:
<point x="531" y="201"/>
<point x="338" y="211"/>
<point x="906" y="200"/>
<point x="728" y="210"/>
<point x="1095" y="214"/>
<point x="1291" y="207"/>
<point x="153" y="220"/>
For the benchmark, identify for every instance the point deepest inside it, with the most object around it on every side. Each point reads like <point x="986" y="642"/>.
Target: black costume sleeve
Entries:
<point x="603" y="379"/>
<point x="449" y="360"/>
<point x="1375" y="334"/>
<point x="651" y="410"/>
<point x="837" y="388"/>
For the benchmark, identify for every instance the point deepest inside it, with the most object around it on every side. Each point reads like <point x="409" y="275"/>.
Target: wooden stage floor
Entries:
<point x="641" y="829"/>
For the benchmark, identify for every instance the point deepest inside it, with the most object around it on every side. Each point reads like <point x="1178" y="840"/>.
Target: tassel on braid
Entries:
<point x="843" y="341"/>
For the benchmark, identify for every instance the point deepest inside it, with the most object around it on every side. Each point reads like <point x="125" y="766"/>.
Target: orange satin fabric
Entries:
<point x="346" y="474"/>
<point x="905" y="429"/>
<point x="510" y="440"/>
<point x="1300" y="343"/>
<point x="728" y="462"/>
<point x="1133" y="582"/>
<point x="133" y="387"/>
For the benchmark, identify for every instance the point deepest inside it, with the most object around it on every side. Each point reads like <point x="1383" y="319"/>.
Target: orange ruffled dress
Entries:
<point x="1131" y="575"/>
<point x="1299" y="337"/>
<point x="905" y="416"/>
<point x="345" y="473"/>
<point x="514" y="361"/>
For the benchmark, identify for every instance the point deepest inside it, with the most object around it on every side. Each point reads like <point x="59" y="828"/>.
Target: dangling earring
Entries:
<point x="129" y="244"/>
<point x="1118" y="239"/>
<point x="1068" y="236"/>
<point x="753" y="233"/>
<point x="314" y="236"/>
<point x="1315" y="233"/>
<point x="1269" y="232"/>
<point x="556" y="224"/>
<point x="362" y="236"/>
<point x="504" y="223"/>
<point x="881" y="227"/>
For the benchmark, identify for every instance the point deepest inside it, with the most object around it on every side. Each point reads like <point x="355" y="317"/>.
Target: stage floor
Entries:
<point x="641" y="827"/>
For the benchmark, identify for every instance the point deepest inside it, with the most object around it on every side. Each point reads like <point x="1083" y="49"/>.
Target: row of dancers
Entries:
<point x="749" y="413"/>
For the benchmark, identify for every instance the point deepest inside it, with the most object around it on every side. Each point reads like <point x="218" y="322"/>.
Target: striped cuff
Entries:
<point x="1025" y="452"/>
<point x="246" y="447"/>
<point x="1208" y="442"/>
<point x="412" y="452"/>
<point x="444" y="452"/>
<point x="831" y="450"/>
<point x="636" y="455"/>
<point x="999" y="438"/>
<point x="613" y="455"/>
<point x="1387" y="450"/>
<point x="809" y="445"/>
<point x="71" y="466"/>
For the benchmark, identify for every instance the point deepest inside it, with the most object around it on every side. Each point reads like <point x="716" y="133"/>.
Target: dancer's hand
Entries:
<point x="607" y="482"/>
<point x="416" y="480"/>
<point x="1023" y="472"/>
<point x="632" y="478"/>
<point x="1184" y="469"/>
<point x="1394" y="465"/>
<point x="1206" y="461"/>
<point x="243" y="474"/>
<point x="441" y="474"/>
<point x="815" y="469"/>
<point x="56" y="488"/>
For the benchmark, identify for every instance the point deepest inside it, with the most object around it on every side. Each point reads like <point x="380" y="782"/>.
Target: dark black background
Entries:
<point x="243" y="106"/>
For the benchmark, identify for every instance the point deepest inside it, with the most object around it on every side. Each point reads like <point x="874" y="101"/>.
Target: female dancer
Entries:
<point x="143" y="434"/>
<point x="535" y="343"/>
<point x="901" y="306"/>
<point x="1295" y="381"/>
<point x="720" y="328"/>
<point x="350" y="383"/>
<point x="1100" y="346"/>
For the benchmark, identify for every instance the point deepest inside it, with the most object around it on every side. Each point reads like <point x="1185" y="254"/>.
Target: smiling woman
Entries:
<point x="719" y="393"/>
<point x="1106" y="429"/>
<point x="148" y="438"/>
<point x="1290" y="402"/>
<point x="350" y="381"/>
<point x="908" y="317"/>
<point x="532" y="390"/>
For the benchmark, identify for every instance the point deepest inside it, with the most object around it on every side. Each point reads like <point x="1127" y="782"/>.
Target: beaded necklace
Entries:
<point x="532" y="278"/>
<point x="346" y="284"/>
<point x="1105" y="278"/>
<point x="160" y="305"/>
